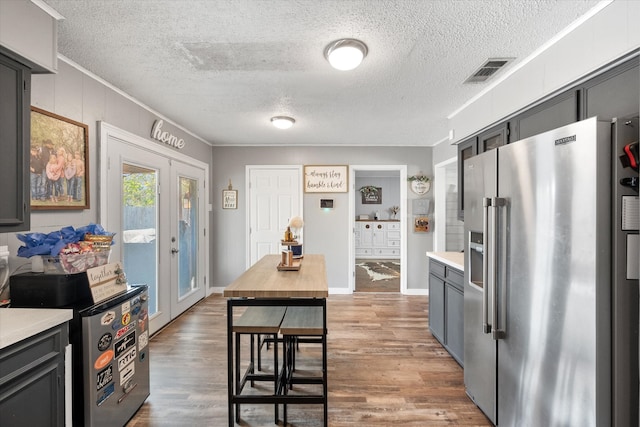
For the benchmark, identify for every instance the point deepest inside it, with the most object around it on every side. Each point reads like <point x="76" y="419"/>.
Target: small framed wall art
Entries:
<point x="229" y="199"/>
<point x="371" y="195"/>
<point x="421" y="224"/>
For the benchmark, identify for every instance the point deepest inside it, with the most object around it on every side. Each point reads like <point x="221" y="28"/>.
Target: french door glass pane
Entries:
<point x="188" y="236"/>
<point x="140" y="225"/>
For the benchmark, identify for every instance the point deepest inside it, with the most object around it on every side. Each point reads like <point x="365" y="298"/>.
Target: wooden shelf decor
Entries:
<point x="295" y="266"/>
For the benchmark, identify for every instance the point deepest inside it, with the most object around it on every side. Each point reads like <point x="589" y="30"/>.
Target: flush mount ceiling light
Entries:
<point x="282" y="122"/>
<point x="345" y="54"/>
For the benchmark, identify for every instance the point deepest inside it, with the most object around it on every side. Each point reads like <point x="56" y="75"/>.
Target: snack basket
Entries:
<point x="74" y="263"/>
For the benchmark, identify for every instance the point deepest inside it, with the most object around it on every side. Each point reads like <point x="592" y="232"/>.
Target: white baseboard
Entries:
<point x="417" y="292"/>
<point x="338" y="291"/>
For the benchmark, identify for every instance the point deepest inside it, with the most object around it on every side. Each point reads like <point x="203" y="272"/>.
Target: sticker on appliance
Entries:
<point x="104" y="377"/>
<point x="143" y="340"/>
<point x="105" y="341"/>
<point x="126" y="318"/>
<point x="107" y="318"/>
<point x="103" y="360"/>
<point x="108" y="391"/>
<point x="126" y="307"/>
<point x="126" y="358"/>
<point x="125" y="344"/>
<point x="116" y="325"/>
<point x="124" y="330"/>
<point x="127" y="373"/>
<point x="142" y="325"/>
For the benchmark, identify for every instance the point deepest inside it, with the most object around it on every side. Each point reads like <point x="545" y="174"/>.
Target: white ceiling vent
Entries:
<point x="488" y="70"/>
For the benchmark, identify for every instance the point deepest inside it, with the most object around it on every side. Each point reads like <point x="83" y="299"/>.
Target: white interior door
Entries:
<point x="157" y="208"/>
<point x="274" y="196"/>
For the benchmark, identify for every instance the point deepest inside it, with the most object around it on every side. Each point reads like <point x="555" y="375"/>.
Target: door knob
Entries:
<point x="174" y="250"/>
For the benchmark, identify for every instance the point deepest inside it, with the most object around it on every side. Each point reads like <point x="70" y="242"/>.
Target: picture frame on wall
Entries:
<point x="371" y="195"/>
<point x="421" y="224"/>
<point x="59" y="162"/>
<point x="326" y="179"/>
<point x="229" y="199"/>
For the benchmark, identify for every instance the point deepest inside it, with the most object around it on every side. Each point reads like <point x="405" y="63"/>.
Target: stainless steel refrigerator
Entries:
<point x="543" y="285"/>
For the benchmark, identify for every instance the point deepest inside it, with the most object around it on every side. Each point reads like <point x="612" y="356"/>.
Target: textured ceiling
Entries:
<point x="222" y="68"/>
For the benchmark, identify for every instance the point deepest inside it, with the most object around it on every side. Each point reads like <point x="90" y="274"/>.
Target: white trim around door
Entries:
<point x="402" y="169"/>
<point x="143" y="151"/>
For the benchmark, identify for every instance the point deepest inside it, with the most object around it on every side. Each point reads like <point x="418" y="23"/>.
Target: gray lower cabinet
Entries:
<point x="446" y="308"/>
<point x="32" y="380"/>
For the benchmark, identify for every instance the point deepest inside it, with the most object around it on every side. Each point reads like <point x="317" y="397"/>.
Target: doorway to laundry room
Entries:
<point x="379" y="202"/>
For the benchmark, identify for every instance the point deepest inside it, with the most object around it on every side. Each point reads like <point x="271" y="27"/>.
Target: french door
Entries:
<point x="156" y="206"/>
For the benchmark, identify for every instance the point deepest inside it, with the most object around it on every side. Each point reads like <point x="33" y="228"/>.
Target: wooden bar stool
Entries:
<point x="304" y="324"/>
<point x="264" y="320"/>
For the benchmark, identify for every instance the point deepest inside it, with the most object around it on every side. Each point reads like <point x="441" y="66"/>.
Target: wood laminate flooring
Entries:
<point x="384" y="369"/>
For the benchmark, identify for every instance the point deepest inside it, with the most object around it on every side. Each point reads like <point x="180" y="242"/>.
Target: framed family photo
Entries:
<point x="59" y="162"/>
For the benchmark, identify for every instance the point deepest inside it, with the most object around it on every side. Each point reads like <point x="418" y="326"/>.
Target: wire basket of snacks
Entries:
<point x="76" y="258"/>
<point x="69" y="251"/>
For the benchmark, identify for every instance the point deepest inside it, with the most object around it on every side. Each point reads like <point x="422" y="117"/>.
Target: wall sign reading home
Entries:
<point x="163" y="136"/>
<point x="325" y="179"/>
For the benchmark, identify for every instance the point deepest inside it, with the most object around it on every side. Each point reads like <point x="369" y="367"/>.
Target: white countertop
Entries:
<point x="452" y="259"/>
<point x="17" y="324"/>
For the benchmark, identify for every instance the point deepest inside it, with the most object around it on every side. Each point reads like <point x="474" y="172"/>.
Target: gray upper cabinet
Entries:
<point x="466" y="149"/>
<point x="15" y="96"/>
<point x="613" y="94"/>
<point x="554" y="113"/>
<point x="485" y="141"/>
<point x="493" y="138"/>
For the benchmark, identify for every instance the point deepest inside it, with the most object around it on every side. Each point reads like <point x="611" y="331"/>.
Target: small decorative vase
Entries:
<point x="288" y="235"/>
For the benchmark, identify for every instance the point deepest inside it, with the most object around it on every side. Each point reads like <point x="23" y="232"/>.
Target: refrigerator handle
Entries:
<point x="486" y="327"/>
<point x="498" y="329"/>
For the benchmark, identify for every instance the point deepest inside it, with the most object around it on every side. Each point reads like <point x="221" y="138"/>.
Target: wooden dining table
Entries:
<point x="264" y="285"/>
